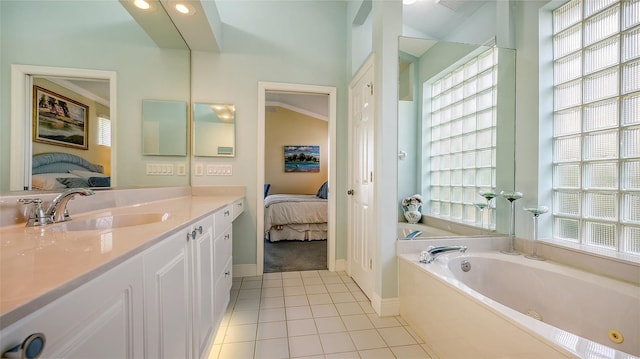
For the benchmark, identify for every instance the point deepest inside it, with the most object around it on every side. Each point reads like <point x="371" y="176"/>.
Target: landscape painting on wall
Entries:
<point x="302" y="158"/>
<point x="58" y="120"/>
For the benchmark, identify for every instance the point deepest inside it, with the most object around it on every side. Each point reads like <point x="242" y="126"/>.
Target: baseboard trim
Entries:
<point x="245" y="270"/>
<point x="341" y="265"/>
<point x="386" y="307"/>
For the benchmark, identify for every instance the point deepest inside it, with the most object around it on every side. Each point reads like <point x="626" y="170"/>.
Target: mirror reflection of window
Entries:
<point x="214" y="130"/>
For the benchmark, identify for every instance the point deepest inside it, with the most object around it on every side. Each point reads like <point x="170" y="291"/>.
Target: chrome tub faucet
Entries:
<point x="432" y="253"/>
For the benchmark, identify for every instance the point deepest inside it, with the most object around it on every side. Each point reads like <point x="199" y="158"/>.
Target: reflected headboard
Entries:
<point x="58" y="162"/>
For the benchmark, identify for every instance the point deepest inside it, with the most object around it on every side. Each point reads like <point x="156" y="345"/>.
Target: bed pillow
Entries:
<point x="49" y="181"/>
<point x="74" y="182"/>
<point x="323" y="191"/>
<point x="87" y="174"/>
<point x="99" y="181"/>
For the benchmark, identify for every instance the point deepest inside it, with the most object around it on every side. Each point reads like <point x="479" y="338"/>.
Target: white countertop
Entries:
<point x="40" y="264"/>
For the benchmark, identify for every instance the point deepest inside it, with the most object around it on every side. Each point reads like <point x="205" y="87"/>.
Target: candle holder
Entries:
<point x="481" y="206"/>
<point x="512" y="197"/>
<point x="536" y="211"/>
<point x="488" y="196"/>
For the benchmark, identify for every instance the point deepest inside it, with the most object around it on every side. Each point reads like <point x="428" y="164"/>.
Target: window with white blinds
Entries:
<point x="462" y="140"/>
<point x="596" y="119"/>
<point x="104" y="131"/>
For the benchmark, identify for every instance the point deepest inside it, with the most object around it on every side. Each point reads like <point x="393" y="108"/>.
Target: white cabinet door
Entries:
<point x="167" y="303"/>
<point x="100" y="319"/>
<point x="203" y="285"/>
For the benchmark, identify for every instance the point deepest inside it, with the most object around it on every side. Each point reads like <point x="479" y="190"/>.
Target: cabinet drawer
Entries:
<point x="223" y="218"/>
<point x="222" y="249"/>
<point x="223" y="290"/>
<point x="202" y="227"/>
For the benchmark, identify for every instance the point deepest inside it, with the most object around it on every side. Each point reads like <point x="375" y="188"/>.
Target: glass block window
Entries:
<point x="462" y="140"/>
<point x="596" y="119"/>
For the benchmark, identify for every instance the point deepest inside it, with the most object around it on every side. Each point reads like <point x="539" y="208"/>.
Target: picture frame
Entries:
<point x="302" y="159"/>
<point x="59" y="120"/>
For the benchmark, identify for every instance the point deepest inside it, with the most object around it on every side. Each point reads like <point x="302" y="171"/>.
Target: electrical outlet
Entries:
<point x="160" y="169"/>
<point x="219" y="170"/>
<point x="181" y="169"/>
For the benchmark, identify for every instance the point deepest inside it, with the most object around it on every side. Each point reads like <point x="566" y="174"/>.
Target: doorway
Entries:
<point x="269" y="91"/>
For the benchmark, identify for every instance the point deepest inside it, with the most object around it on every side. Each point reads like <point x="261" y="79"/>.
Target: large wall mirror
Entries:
<point x="98" y="51"/>
<point x="456" y="130"/>
<point x="164" y="127"/>
<point x="214" y="130"/>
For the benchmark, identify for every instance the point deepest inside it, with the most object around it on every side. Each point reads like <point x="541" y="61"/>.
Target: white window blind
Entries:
<point x="104" y="131"/>
<point x="462" y="142"/>
<point x="596" y="157"/>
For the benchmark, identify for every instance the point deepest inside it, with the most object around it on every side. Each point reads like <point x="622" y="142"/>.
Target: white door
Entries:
<point x="361" y="243"/>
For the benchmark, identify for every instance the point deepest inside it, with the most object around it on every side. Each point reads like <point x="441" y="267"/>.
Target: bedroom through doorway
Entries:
<point x="296" y="125"/>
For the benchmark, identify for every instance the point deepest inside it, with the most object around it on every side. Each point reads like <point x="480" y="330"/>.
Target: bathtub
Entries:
<point x="510" y="306"/>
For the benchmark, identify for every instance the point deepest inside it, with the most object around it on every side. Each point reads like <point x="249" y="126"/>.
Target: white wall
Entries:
<point x="290" y="41"/>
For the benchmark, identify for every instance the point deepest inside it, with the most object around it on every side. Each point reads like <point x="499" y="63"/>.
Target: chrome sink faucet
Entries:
<point x="58" y="209"/>
<point x="432" y="253"/>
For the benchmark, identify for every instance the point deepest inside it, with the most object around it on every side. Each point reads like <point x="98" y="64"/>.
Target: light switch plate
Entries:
<point x="199" y="169"/>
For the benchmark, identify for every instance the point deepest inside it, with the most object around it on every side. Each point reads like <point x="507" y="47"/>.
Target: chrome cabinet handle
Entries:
<point x="227" y="236"/>
<point x="227" y="273"/>
<point x="30" y="348"/>
<point x="200" y="229"/>
<point x="226" y="213"/>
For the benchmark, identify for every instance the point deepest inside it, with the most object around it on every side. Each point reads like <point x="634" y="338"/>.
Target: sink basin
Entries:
<point x="110" y="222"/>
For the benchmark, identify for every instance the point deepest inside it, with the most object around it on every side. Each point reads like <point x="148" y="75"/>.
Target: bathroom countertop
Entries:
<point x="41" y="264"/>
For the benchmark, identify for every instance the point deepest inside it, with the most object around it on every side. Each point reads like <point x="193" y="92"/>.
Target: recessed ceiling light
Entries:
<point x="184" y="8"/>
<point x="142" y="4"/>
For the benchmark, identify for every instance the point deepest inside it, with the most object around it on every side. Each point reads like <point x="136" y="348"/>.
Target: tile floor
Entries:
<point x="310" y="314"/>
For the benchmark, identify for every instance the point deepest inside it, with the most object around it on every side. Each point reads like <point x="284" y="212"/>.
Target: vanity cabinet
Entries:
<point x="165" y="302"/>
<point x="100" y="319"/>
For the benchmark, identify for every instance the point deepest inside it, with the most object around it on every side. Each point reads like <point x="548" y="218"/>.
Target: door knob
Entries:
<point x="350" y="192"/>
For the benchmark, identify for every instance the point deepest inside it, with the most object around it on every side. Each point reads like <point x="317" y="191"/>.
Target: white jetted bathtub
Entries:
<point x="510" y="306"/>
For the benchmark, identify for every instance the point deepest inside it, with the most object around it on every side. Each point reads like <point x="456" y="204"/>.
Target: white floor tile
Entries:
<point x="250" y="284"/>
<point x="305" y="346"/>
<point x="359" y="296"/>
<point x="240" y="333"/>
<point x="383" y="322"/>
<point x="315" y="289"/>
<point x="336" y="288"/>
<point x="336" y="343"/>
<point x="272" y="283"/>
<point x="289" y="291"/>
<point x="396" y="336"/>
<point x="249" y="293"/>
<point x="270" y="276"/>
<point x="243" y="317"/>
<point x="271" y="330"/>
<point x="257" y="277"/>
<point x="310" y="274"/>
<point x="312" y="281"/>
<point x="271" y="315"/>
<point x="237" y="350"/>
<point x="367" y="339"/>
<point x="272" y="292"/>
<point x="298" y="313"/>
<point x="366" y="307"/>
<point x="350" y="308"/>
<point x="246" y="304"/>
<point x="324" y="310"/>
<point x="323" y="298"/>
<point x="292" y="282"/>
<point x="295" y="301"/>
<point x="382" y="353"/>
<point x="330" y="325"/>
<point x="286" y="275"/>
<point x="410" y="352"/>
<point x="356" y="322"/>
<point x="342" y="297"/>
<point x="272" y="349"/>
<point x="272" y="302"/>
<point x="300" y="327"/>
<point x="331" y="279"/>
<point x="349" y="355"/>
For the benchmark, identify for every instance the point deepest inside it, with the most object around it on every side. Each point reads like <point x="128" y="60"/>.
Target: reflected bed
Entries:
<point x="57" y="171"/>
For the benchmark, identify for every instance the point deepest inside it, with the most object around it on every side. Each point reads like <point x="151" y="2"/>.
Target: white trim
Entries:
<point x="263" y="87"/>
<point x="244" y="270"/>
<point x="21" y="109"/>
<point x="386" y="307"/>
<point x="341" y="265"/>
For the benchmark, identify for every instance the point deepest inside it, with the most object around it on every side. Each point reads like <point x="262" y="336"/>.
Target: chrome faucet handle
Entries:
<point x="37" y="216"/>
